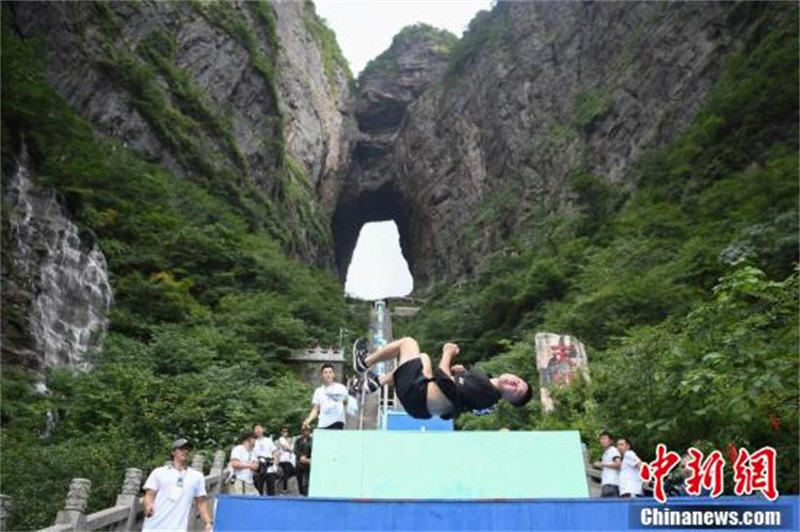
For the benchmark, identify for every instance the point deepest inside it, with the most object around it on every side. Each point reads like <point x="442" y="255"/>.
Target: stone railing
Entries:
<point x="127" y="513"/>
<point x="318" y="354"/>
<point x="404" y="312"/>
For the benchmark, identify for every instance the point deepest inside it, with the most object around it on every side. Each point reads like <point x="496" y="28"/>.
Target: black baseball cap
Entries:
<point x="180" y="443"/>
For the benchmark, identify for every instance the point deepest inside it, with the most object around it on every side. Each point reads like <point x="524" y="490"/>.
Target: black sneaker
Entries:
<point x="368" y="382"/>
<point x="360" y="352"/>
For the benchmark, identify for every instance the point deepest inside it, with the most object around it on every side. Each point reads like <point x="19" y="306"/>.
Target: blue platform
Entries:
<point x="240" y="513"/>
<point x="399" y="420"/>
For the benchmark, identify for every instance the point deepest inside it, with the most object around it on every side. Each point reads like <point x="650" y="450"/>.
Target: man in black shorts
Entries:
<point x="444" y="391"/>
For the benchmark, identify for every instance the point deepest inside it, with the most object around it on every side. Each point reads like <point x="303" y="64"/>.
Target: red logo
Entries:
<point x="755" y="472"/>
<point x="751" y="472"/>
<point x="705" y="473"/>
<point x="658" y="469"/>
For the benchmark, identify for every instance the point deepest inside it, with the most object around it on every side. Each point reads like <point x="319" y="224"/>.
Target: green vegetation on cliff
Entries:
<point x="332" y="56"/>
<point x="486" y="29"/>
<point x="207" y="304"/>
<point x="685" y="292"/>
<point x="441" y="41"/>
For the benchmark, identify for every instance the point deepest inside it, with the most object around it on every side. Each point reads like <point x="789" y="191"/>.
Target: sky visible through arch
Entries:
<point x="378" y="269"/>
<point x="364" y="29"/>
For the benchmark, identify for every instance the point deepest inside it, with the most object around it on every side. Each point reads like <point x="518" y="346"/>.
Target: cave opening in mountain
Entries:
<point x="371" y="232"/>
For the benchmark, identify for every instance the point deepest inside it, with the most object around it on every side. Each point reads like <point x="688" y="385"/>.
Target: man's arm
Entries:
<point x="311" y="415"/>
<point x="205" y="515"/>
<point x="449" y="351"/>
<point x="241" y="464"/>
<point x="148" y="502"/>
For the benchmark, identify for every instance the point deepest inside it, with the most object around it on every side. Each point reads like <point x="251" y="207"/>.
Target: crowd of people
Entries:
<point x="258" y="464"/>
<point x="262" y="466"/>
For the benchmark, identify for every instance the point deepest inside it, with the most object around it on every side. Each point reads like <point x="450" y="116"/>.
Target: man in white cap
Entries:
<point x="170" y="491"/>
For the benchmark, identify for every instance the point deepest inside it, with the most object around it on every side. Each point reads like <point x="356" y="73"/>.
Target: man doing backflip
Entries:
<point x="445" y="390"/>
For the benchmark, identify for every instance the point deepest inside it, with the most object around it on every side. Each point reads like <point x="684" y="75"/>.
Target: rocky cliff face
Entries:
<point x="59" y="279"/>
<point x="485" y="144"/>
<point x="369" y="189"/>
<point x="248" y="99"/>
<point x="465" y="144"/>
<point x="216" y="91"/>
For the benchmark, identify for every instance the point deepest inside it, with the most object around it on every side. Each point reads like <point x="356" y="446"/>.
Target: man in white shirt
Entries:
<point x="170" y="491"/>
<point x="265" y="449"/>
<point x="244" y="463"/>
<point x="328" y="402"/>
<point x="610" y="465"/>
<point x="630" y="483"/>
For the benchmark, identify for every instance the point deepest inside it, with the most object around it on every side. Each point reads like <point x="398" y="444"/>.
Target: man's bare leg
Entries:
<point x="427" y="370"/>
<point x="403" y="349"/>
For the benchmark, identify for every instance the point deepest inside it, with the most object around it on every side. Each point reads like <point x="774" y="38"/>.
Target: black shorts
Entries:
<point x="610" y="490"/>
<point x="411" y="386"/>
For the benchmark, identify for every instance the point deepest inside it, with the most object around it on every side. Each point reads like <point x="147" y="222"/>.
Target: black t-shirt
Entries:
<point x="302" y="448"/>
<point x="476" y="393"/>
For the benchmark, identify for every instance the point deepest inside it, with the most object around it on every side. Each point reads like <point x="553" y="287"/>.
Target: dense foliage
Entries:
<point x="685" y="291"/>
<point x="207" y="303"/>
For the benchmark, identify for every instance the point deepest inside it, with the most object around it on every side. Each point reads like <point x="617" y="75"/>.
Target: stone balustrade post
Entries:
<point x="74" y="512"/>
<point x="216" y="470"/>
<point x="5" y="510"/>
<point x="198" y="461"/>
<point x="129" y="496"/>
<point x="218" y="463"/>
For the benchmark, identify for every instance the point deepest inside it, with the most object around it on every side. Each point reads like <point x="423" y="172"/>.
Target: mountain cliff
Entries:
<point x="127" y="106"/>
<point x="479" y="141"/>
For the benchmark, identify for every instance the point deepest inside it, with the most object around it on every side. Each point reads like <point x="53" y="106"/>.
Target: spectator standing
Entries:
<point x="610" y="464"/>
<point x="302" y="451"/>
<point x="170" y="491"/>
<point x="245" y="464"/>
<point x="328" y="402"/>
<point x="286" y="455"/>
<point x="630" y="483"/>
<point x="268" y="458"/>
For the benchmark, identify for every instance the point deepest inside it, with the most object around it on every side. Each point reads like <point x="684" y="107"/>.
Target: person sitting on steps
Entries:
<point x="445" y="390"/>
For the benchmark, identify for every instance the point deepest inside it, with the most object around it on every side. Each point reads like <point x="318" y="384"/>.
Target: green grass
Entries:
<point x="590" y="105"/>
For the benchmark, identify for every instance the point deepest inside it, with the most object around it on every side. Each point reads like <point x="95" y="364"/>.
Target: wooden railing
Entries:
<point x="127" y="513"/>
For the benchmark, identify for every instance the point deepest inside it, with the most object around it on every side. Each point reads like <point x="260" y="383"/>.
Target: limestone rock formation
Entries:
<point x="464" y="143"/>
<point x="229" y="94"/>
<point x="533" y="93"/>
